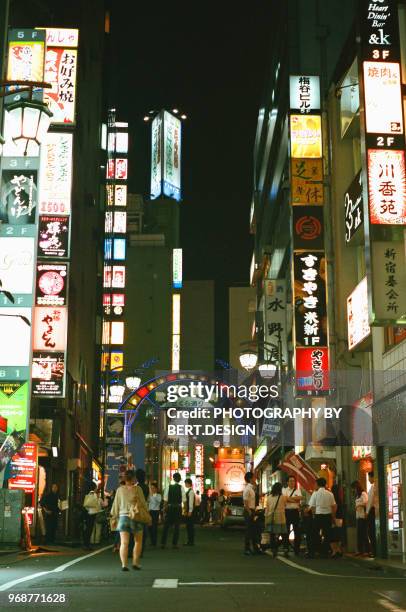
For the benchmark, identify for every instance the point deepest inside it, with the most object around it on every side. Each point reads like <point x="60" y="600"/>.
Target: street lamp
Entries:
<point x="267" y="370"/>
<point x="132" y="382"/>
<point x="248" y="359"/>
<point x="27" y="120"/>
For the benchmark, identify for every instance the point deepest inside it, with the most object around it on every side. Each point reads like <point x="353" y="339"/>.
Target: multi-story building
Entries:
<point x="337" y="193"/>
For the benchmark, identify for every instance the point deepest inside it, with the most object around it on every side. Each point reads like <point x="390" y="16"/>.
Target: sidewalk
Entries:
<point x="378" y="563"/>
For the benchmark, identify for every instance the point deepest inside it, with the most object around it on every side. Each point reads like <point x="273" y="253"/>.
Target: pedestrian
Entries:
<point x="222" y="500"/>
<point x="50" y="506"/>
<point x="154" y="505"/>
<point x="214" y="507"/>
<point x="196" y="512"/>
<point x="308" y="530"/>
<point x="204" y="508"/>
<point x="140" y="477"/>
<point x="248" y="495"/>
<point x="127" y="497"/>
<point x="292" y="512"/>
<point x="275" y="518"/>
<point x="174" y="498"/>
<point x="337" y="531"/>
<point x="371" y="512"/>
<point x="92" y="507"/>
<point x="116" y="537"/>
<point x="361" y="502"/>
<point x="189" y="507"/>
<point x="323" y="506"/>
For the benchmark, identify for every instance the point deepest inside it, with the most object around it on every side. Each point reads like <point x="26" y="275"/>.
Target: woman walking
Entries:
<point x="361" y="501"/>
<point x="127" y="497"/>
<point x="275" y="519"/>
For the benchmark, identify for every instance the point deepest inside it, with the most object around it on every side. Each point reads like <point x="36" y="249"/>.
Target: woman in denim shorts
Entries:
<point x="127" y="496"/>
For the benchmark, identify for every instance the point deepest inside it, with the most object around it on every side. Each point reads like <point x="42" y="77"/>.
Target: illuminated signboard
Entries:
<point x="24" y="468"/>
<point x="275" y="317"/>
<point x="177" y="268"/>
<point x="175" y="352"/>
<point x="120" y="222"/>
<point x="119" y="245"/>
<point x="310" y="299"/>
<point x="156" y="162"/>
<point x="120" y="198"/>
<point x="357" y="315"/>
<point x="53" y="236"/>
<point x="362" y="431"/>
<point x="176" y="313"/>
<point x="108" y="223"/>
<point x="121" y="142"/>
<point x="199" y="460"/>
<point x="50" y="327"/>
<point x="383" y="98"/>
<point x="305" y="136"/>
<point x="118" y="300"/>
<point x="51" y="285"/>
<point x="62" y="37"/>
<point x="26" y="50"/>
<point x="60" y="72"/>
<point x="260" y="453"/>
<point x="172" y="156"/>
<point x="307" y="181"/>
<point x="48" y="374"/>
<point x="354" y="212"/>
<point x="117" y="332"/>
<point x="394" y="486"/>
<point x="387" y="187"/>
<point x="389" y="282"/>
<point x="304" y="93"/>
<point x="16" y="266"/>
<point x="56" y="174"/>
<point x="308" y="227"/>
<point x="15" y="334"/>
<point x="121" y="169"/>
<point x="19" y="196"/>
<point x="380" y="29"/>
<point x="312" y="369"/>
<point x="115" y="429"/>
<point x="14" y="405"/>
<point x="114" y="276"/>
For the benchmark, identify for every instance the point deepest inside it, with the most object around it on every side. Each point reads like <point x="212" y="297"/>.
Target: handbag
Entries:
<point x="270" y="522"/>
<point x="139" y="513"/>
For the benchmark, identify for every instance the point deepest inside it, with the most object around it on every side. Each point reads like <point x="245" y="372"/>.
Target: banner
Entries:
<point x="295" y="466"/>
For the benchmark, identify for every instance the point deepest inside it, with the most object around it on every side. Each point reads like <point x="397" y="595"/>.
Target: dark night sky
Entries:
<point x="209" y="60"/>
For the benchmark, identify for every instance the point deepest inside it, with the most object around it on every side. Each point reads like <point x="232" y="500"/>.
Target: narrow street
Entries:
<point x="213" y="576"/>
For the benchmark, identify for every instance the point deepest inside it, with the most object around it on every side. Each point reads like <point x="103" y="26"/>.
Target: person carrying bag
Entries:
<point x="275" y="519"/>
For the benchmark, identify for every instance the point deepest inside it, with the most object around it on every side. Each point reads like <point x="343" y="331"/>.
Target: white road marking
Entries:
<point x="388" y="602"/>
<point x="165" y="583"/>
<point x="225" y="583"/>
<point x="60" y="568"/>
<point x="300" y="567"/>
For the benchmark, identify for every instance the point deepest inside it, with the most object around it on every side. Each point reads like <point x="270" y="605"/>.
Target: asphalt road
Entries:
<point x="213" y="576"/>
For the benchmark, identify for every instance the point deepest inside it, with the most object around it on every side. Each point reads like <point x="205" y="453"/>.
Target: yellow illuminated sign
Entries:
<point x="305" y="136"/>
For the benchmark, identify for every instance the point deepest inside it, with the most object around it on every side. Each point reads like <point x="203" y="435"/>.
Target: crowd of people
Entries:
<point x="320" y="518"/>
<point x="135" y="510"/>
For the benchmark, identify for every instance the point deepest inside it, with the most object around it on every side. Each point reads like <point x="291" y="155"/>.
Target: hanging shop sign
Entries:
<point x="389" y="282"/>
<point x="362" y="430"/>
<point x="14" y="405"/>
<point x="26" y="52"/>
<point x="115" y="429"/>
<point x="387" y="187"/>
<point x="16" y="267"/>
<point x="304" y="93"/>
<point x="199" y="460"/>
<point x="156" y="161"/>
<point x="19" y="196"/>
<point x="51" y="284"/>
<point x="60" y="71"/>
<point x="353" y="207"/>
<point x="310" y="299"/>
<point x="357" y="315"/>
<point x="308" y="227"/>
<point x="50" y="328"/>
<point x="177" y="268"/>
<point x="380" y="30"/>
<point x="383" y="99"/>
<point x="56" y="174"/>
<point x="307" y="181"/>
<point x="275" y="318"/>
<point x="48" y="374"/>
<point x="53" y="236"/>
<point x="172" y="156"/>
<point x="312" y="370"/>
<point x="62" y="37"/>
<point x="24" y="468"/>
<point x="120" y="195"/>
<point x="305" y="136"/>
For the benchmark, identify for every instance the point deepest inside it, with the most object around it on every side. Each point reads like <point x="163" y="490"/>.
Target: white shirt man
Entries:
<point x="249" y="496"/>
<point x="293" y="493"/>
<point x="322" y="501"/>
<point x="189" y="506"/>
<point x="292" y="510"/>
